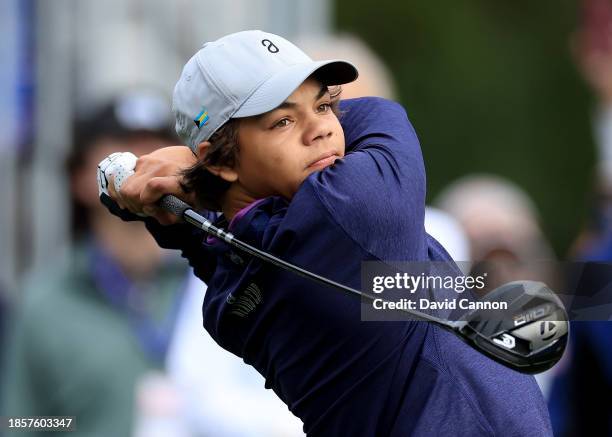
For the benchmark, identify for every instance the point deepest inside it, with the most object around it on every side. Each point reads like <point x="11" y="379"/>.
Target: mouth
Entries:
<point x="323" y="160"/>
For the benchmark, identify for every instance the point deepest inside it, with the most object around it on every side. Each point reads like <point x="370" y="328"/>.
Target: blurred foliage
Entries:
<point x="490" y="86"/>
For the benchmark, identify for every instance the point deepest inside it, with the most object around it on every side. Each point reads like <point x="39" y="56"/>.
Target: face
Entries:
<point x="279" y="149"/>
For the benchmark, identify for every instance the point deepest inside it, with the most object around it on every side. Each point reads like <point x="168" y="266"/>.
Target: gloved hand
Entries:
<point x="115" y="169"/>
<point x="137" y="184"/>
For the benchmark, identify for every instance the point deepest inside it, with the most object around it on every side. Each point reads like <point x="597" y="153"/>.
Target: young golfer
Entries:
<point x="325" y="192"/>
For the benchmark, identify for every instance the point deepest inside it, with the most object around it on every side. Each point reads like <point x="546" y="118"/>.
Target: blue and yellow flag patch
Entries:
<point x="201" y="119"/>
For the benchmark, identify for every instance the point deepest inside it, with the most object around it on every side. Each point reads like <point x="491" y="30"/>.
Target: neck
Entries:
<point x="235" y="199"/>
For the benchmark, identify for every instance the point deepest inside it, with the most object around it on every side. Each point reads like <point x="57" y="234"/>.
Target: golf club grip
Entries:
<point x="174" y="205"/>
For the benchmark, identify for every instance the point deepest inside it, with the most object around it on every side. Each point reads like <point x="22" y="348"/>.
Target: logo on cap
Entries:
<point x="201" y="119"/>
<point x="272" y="48"/>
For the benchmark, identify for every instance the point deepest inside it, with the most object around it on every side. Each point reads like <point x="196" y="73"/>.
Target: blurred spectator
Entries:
<point x="581" y="401"/>
<point x="87" y="328"/>
<point x="501" y="223"/>
<point x="592" y="48"/>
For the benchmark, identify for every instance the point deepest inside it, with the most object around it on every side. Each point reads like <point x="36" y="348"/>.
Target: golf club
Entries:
<point x="529" y="336"/>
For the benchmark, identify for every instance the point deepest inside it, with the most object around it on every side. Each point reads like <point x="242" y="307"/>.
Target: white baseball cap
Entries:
<point x="240" y="75"/>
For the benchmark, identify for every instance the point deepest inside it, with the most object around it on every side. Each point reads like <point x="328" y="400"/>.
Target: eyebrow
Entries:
<point x="288" y="104"/>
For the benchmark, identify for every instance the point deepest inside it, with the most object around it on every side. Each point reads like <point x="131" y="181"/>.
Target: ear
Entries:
<point x="228" y="174"/>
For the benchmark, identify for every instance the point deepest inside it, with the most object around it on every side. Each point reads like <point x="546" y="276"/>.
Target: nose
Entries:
<point x="317" y="129"/>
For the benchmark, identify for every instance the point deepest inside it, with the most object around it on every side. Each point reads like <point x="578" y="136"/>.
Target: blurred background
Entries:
<point x="512" y="102"/>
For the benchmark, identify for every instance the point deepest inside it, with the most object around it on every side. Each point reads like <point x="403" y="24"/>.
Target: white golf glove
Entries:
<point x="120" y="166"/>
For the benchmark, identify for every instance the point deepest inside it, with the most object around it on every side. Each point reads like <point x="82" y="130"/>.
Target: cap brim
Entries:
<point x="276" y="89"/>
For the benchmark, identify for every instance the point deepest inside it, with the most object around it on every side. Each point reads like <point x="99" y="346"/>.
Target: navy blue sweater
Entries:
<point x="342" y="376"/>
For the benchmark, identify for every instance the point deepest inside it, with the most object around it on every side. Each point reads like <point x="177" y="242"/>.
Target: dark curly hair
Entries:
<point x="224" y="151"/>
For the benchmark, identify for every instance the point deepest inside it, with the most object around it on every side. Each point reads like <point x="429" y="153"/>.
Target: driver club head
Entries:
<point x="529" y="336"/>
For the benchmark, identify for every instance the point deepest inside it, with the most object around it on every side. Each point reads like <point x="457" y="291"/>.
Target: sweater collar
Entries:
<point x="243" y="225"/>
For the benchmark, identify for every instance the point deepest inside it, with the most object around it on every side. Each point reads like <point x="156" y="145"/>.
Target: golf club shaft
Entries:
<point x="176" y="206"/>
<point x="461" y="328"/>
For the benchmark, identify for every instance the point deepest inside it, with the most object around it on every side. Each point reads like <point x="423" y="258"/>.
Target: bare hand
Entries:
<point x="155" y="175"/>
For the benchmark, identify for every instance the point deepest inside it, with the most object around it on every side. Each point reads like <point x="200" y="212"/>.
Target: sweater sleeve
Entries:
<point x="376" y="193"/>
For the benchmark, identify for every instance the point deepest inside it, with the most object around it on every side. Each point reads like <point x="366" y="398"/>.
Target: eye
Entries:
<point x="281" y="123"/>
<point x="324" y="107"/>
